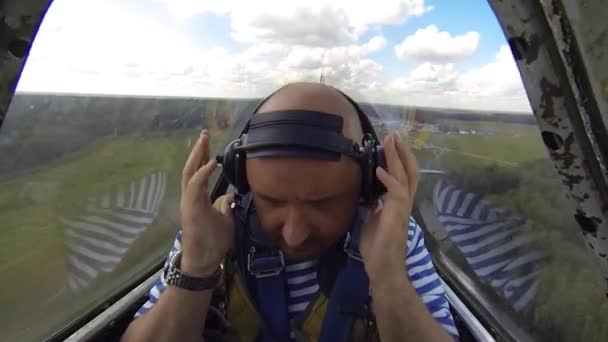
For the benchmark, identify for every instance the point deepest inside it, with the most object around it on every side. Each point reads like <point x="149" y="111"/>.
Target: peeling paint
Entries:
<point x="534" y="44"/>
<point x="591" y="117"/>
<point x="558" y="87"/>
<point x="570" y="180"/>
<point x="549" y="91"/>
<point x="567" y="156"/>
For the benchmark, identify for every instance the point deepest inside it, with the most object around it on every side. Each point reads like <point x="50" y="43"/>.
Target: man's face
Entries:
<point x="304" y="205"/>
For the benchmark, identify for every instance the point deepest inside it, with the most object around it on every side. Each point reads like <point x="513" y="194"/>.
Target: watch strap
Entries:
<point x="175" y="277"/>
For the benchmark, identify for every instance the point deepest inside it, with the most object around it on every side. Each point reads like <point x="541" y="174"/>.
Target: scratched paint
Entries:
<point x="567" y="100"/>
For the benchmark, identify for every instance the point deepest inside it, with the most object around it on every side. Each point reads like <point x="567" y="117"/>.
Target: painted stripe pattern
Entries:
<point x="97" y="239"/>
<point x="492" y="241"/>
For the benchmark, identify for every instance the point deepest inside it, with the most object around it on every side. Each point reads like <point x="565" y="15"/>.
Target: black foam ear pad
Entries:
<point x="233" y="165"/>
<point x="367" y="169"/>
<point x="241" y="183"/>
<point x="379" y="159"/>
<point x="372" y="156"/>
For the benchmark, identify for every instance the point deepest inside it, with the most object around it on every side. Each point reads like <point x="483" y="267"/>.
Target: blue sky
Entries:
<point x="416" y="52"/>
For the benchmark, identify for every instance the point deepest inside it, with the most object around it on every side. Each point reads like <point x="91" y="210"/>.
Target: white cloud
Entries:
<point x="137" y="55"/>
<point x="493" y="86"/>
<point x="346" y="67"/>
<point x="302" y="22"/>
<point x="427" y="78"/>
<point x="500" y="77"/>
<point x="429" y="44"/>
<point x="73" y="53"/>
<point x="316" y="57"/>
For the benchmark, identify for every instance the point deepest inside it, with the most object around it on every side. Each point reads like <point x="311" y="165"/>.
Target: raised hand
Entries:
<point x="384" y="235"/>
<point x="207" y="232"/>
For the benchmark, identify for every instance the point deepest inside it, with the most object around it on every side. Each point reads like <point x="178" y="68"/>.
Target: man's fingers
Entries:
<point x="200" y="180"/>
<point x="194" y="160"/>
<point x="393" y="161"/>
<point x="395" y="189"/>
<point x="205" y="146"/>
<point x="397" y="197"/>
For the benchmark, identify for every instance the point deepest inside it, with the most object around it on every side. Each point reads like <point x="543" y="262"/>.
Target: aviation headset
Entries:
<point x="305" y="133"/>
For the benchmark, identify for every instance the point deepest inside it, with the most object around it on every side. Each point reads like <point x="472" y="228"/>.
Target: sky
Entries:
<point x="438" y="53"/>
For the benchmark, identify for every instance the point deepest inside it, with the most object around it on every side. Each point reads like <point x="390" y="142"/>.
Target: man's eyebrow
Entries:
<point x="328" y="197"/>
<point x="322" y="198"/>
<point x="268" y="197"/>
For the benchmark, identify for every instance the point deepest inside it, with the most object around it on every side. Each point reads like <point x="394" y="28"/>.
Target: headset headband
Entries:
<point x="297" y="133"/>
<point x="366" y="124"/>
<point x="301" y="133"/>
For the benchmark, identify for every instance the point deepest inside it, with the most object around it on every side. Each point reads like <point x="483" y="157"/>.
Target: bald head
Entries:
<point x="317" y="97"/>
<point x="306" y="204"/>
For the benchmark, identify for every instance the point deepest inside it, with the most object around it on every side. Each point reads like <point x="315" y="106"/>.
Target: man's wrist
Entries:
<point x="175" y="275"/>
<point x="198" y="269"/>
<point x="385" y="286"/>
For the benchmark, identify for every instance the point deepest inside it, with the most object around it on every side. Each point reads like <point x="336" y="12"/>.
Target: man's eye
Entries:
<point x="322" y="202"/>
<point x="272" y="201"/>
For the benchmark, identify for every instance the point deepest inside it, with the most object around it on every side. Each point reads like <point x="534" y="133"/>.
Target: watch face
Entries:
<point x="173" y="276"/>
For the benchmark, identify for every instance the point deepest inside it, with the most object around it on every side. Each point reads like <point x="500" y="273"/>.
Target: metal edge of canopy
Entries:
<point x="19" y="23"/>
<point x="93" y="327"/>
<point x="565" y="106"/>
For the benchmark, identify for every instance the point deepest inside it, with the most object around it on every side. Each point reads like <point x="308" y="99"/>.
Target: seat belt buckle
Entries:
<point x="262" y="266"/>
<point x="350" y="249"/>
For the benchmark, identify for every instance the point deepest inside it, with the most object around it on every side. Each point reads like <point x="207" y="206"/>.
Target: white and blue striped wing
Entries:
<point x="492" y="241"/>
<point x="97" y="239"/>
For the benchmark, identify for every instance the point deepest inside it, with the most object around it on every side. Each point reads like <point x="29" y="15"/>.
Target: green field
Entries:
<point x="512" y="170"/>
<point x="31" y="239"/>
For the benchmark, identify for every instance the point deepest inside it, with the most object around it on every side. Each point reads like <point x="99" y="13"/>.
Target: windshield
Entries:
<point x="114" y="94"/>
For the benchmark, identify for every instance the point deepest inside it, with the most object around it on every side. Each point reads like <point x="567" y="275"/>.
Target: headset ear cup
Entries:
<point x="379" y="160"/>
<point x="367" y="170"/>
<point x="372" y="157"/>
<point x="228" y="162"/>
<point x="240" y="172"/>
<point x="234" y="167"/>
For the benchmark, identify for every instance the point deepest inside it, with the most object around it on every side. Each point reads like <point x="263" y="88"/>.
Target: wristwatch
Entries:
<point x="174" y="276"/>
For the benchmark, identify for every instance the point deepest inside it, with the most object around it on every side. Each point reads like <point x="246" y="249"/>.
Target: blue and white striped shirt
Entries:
<point x="302" y="281"/>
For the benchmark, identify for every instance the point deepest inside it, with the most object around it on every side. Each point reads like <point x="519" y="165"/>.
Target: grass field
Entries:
<point x="492" y="149"/>
<point x="31" y="240"/>
<point x="570" y="304"/>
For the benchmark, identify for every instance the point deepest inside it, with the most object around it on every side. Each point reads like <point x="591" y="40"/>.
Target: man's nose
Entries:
<point x="295" y="230"/>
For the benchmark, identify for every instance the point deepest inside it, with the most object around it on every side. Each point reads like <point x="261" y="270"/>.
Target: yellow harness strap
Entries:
<point x="244" y="317"/>
<point x="311" y="327"/>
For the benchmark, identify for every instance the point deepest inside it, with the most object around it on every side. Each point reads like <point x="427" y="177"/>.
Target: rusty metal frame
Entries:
<point x="556" y="81"/>
<point x="19" y="23"/>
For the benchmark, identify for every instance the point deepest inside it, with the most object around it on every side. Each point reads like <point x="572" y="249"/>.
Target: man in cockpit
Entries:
<point x="297" y="253"/>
